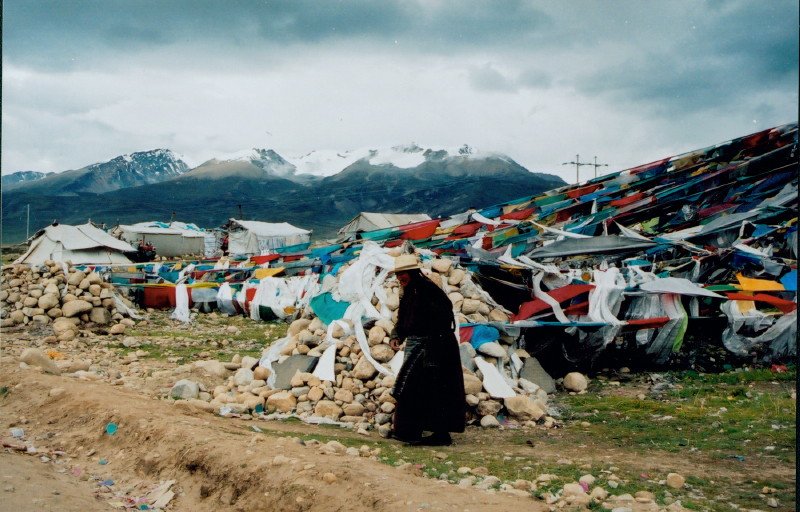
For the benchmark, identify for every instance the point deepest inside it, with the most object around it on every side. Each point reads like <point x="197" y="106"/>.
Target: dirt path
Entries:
<point x="188" y="459"/>
<point x="216" y="464"/>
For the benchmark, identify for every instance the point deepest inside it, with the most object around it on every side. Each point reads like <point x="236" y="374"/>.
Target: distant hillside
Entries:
<point x="124" y="171"/>
<point x="22" y="177"/>
<point x="261" y="185"/>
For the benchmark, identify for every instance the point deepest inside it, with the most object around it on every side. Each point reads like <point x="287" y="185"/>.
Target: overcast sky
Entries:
<point x="541" y="81"/>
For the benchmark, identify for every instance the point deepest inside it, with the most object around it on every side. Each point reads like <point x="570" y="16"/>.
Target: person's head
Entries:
<point x="405" y="277"/>
<point x="406" y="268"/>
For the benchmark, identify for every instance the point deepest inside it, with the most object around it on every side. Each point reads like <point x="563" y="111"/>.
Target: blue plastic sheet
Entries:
<point x="789" y="281"/>
<point x="328" y="309"/>
<point x="483" y="334"/>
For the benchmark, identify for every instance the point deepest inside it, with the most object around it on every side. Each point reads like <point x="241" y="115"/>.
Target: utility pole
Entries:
<point x="577" y="163"/>
<point x="596" y="165"/>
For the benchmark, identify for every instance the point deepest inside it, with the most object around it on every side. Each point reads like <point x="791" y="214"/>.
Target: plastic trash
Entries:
<point x="111" y="429"/>
<point x="17" y="432"/>
<point x="107" y="483"/>
<point x="103" y="462"/>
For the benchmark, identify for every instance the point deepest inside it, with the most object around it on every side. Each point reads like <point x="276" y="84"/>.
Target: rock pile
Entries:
<point x="360" y="395"/>
<point x="61" y="296"/>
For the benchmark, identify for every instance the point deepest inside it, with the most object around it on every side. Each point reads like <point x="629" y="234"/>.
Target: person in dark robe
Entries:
<point x="429" y="389"/>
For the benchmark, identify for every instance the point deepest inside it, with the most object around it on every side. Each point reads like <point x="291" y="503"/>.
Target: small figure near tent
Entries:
<point x="430" y="387"/>
<point x="144" y="252"/>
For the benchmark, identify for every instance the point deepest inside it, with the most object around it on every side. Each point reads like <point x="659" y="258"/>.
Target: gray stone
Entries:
<point x="243" y="377"/>
<point x="76" y="307"/>
<point x="100" y="316"/>
<point x="523" y="408"/>
<point x="575" y="381"/>
<point x="285" y="371"/>
<point x="489" y="407"/>
<point x="364" y="370"/>
<point x="467" y="354"/>
<point x="185" y="389"/>
<point x="489" y="421"/>
<point x="48" y="301"/>
<point x="282" y="401"/>
<point x="35" y="357"/>
<point x="532" y="371"/>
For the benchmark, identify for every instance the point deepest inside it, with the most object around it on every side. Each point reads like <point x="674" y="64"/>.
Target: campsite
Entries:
<point x="627" y="343"/>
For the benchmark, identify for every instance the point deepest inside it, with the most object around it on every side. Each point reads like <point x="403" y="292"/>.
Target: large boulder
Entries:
<point x="327" y="409"/>
<point x="285" y="370"/>
<point x="533" y="371"/>
<point x="76" y="307"/>
<point x="282" y="401"/>
<point x="523" y="408"/>
<point x="185" y="389"/>
<point x="100" y="316"/>
<point x="35" y="357"/>
<point x="575" y="381"/>
<point x="364" y="370"/>
<point x="48" y="301"/>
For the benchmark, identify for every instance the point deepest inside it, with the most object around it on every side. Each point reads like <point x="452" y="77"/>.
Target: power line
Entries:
<point x="577" y="163"/>
<point x="596" y="165"/>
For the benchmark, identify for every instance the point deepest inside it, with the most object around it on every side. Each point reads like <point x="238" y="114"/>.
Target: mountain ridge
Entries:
<point x="262" y="185"/>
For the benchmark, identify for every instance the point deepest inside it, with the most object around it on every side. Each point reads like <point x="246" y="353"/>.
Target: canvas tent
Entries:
<point x="84" y="244"/>
<point x="253" y="237"/>
<point x="175" y="239"/>
<point x="366" y="221"/>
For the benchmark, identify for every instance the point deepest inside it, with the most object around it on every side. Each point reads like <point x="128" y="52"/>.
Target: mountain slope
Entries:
<point x="124" y="171"/>
<point x="261" y="185"/>
<point x="22" y="177"/>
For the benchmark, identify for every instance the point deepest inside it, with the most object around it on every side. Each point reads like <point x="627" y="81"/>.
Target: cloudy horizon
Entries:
<point x="86" y="81"/>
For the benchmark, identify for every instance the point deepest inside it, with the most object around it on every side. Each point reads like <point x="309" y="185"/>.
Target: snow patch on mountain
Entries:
<point x="325" y="163"/>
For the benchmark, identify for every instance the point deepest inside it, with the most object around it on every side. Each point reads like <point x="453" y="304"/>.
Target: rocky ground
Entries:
<point x="88" y="425"/>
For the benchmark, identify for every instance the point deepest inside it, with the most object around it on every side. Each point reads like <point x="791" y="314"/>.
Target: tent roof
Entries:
<point x="85" y="236"/>
<point x="79" y="244"/>
<point x="155" y="228"/>
<point x="267" y="229"/>
<point x="368" y="221"/>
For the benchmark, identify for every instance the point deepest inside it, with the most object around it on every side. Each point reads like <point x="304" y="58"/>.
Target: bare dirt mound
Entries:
<point x="215" y="464"/>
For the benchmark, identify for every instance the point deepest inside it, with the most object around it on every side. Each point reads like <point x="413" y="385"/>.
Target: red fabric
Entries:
<point x="627" y="200"/>
<point x="530" y="308"/>
<point x="519" y="215"/>
<point x="465" y="334"/>
<point x="582" y="308"/>
<point x="711" y="210"/>
<point x="647" y="167"/>
<point x="649" y="323"/>
<point x="578" y="192"/>
<point x="260" y="260"/>
<point x="419" y="230"/>
<point x="296" y="257"/>
<point x="467" y="229"/>
<point x="785" y="306"/>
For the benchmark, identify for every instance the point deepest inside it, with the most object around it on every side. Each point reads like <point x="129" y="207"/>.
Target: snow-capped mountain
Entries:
<point x="326" y="163"/>
<point x="23" y="176"/>
<point x="140" y="168"/>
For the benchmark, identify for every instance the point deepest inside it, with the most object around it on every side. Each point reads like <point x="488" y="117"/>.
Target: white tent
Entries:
<point x="366" y="221"/>
<point x="255" y="237"/>
<point x="175" y="239"/>
<point x="84" y="244"/>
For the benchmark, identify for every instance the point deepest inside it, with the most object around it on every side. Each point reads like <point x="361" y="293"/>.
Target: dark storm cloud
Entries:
<point x="722" y="59"/>
<point x="56" y="34"/>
